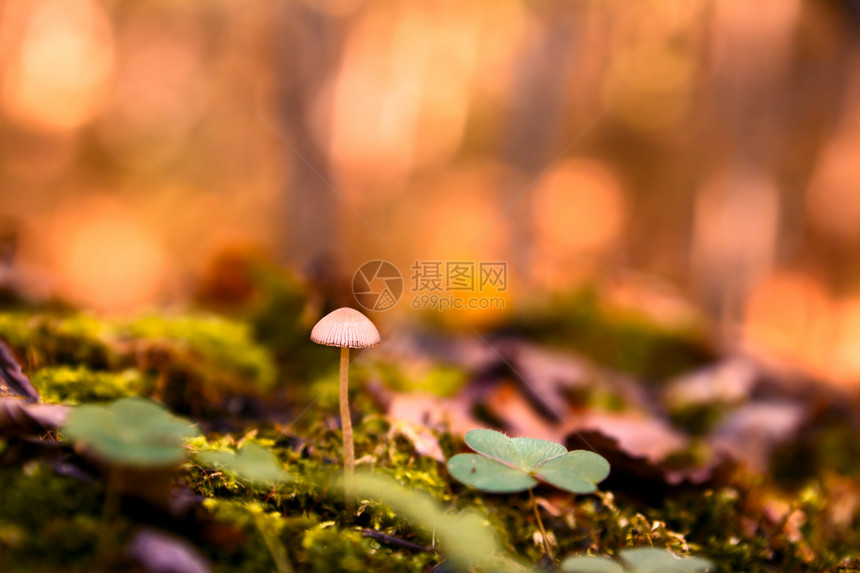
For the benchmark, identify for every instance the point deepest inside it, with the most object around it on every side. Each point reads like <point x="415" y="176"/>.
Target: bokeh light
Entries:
<point x="579" y="206"/>
<point x="709" y="148"/>
<point x="61" y="65"/>
<point x="789" y="317"/>
<point x="107" y="259"/>
<point x="833" y="200"/>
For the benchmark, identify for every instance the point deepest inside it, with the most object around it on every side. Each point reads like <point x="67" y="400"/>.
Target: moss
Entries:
<point x="714" y="523"/>
<point x="327" y="547"/>
<point x="249" y="553"/>
<point x="281" y="315"/>
<point x="79" y="385"/>
<point x="698" y="419"/>
<point x="306" y="489"/>
<point x="221" y="345"/>
<point x="50" y="339"/>
<point x="47" y="522"/>
<point x="198" y="359"/>
<point x="306" y="543"/>
<point x="829" y="444"/>
<point x="277" y="305"/>
<point x="436" y="379"/>
<point x="328" y="537"/>
<point x="322" y="393"/>
<point x="730" y="527"/>
<point x="597" y="397"/>
<point x="621" y="339"/>
<point x="313" y="467"/>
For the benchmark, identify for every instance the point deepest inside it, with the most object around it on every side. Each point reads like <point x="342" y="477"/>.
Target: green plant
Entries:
<point x="258" y="465"/>
<point x="638" y="560"/>
<point x="131" y="432"/>
<point x="252" y="462"/>
<point x="466" y="538"/>
<point x="512" y="465"/>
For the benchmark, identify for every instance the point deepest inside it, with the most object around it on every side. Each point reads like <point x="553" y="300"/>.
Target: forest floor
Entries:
<point x="710" y="455"/>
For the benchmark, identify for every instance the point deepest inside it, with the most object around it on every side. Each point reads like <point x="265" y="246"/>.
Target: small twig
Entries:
<point x="271" y="493"/>
<point x="544" y="537"/>
<point x="378" y="535"/>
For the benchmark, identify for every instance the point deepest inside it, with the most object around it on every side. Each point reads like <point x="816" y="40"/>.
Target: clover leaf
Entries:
<point x="591" y="564"/>
<point x="653" y="560"/>
<point x="130" y="432"/>
<point x="637" y="560"/>
<point x="510" y="465"/>
<point x="253" y="463"/>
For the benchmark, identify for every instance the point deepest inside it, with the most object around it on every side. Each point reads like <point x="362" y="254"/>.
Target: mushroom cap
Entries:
<point x="345" y="327"/>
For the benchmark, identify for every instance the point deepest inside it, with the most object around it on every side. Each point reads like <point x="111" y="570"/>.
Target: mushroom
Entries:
<point x="346" y="328"/>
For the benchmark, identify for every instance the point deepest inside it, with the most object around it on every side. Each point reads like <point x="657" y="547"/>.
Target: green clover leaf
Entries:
<point x="590" y="564"/>
<point x="510" y="465"/>
<point x="253" y="463"/>
<point x="489" y="475"/>
<point x="637" y="560"/>
<point x="653" y="560"/>
<point x="130" y="432"/>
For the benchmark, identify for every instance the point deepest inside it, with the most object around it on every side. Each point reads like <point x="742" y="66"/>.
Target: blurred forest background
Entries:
<point x="686" y="155"/>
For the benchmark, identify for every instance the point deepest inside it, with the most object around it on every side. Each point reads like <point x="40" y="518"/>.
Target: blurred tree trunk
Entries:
<point x="534" y="137"/>
<point x="778" y="110"/>
<point x="309" y="45"/>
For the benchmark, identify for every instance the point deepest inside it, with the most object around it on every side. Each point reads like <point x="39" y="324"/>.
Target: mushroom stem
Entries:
<point x="346" y="424"/>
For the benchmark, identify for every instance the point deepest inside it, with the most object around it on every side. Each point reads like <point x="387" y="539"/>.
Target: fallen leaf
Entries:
<point x="643" y="437"/>
<point x="444" y="414"/>
<point x="19" y="418"/>
<point x="727" y="382"/>
<point x="422" y="438"/>
<point x="159" y="552"/>
<point x="751" y="432"/>
<point x="507" y="403"/>
<point x="12" y="377"/>
<point x="546" y="377"/>
<point x="642" y="478"/>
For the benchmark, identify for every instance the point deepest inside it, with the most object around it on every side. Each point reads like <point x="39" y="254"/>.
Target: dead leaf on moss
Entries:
<point x="422" y="438"/>
<point x="507" y="403"/>
<point x="444" y="414"/>
<point x="12" y="377"/>
<point x="752" y="432"/>
<point x="160" y="552"/>
<point x="728" y="382"/>
<point x="545" y="377"/>
<point x="19" y="418"/>
<point x="639" y="436"/>
<point x="640" y="477"/>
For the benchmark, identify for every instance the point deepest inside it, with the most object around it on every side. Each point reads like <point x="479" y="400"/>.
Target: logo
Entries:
<point x="377" y="285"/>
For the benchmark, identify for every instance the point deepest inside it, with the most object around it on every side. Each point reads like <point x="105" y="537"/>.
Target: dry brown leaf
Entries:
<point x="751" y="432"/>
<point x="18" y="418"/>
<point x="422" y="438"/>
